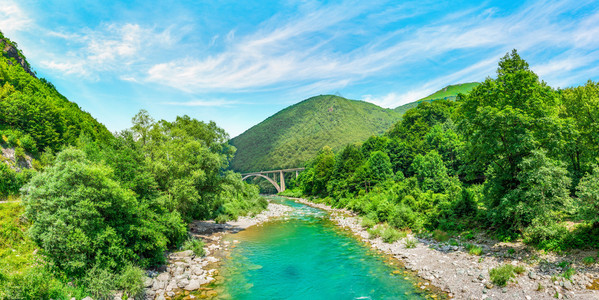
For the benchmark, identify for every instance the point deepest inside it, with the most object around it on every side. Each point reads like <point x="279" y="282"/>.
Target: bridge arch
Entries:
<point x="265" y="177"/>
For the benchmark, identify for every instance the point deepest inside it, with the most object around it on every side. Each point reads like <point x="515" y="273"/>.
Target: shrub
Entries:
<point x="130" y="281"/>
<point x="33" y="283"/>
<point x="8" y="181"/>
<point x="440" y="236"/>
<point x="28" y="143"/>
<point x="547" y="235"/>
<point x="99" y="283"/>
<point x="474" y="250"/>
<point x="194" y="244"/>
<point x="589" y="260"/>
<point x="375" y="232"/>
<point x="519" y="270"/>
<point x="391" y="235"/>
<point x="19" y="153"/>
<point x="502" y="274"/>
<point x="404" y="217"/>
<point x="410" y="243"/>
<point x="367" y="222"/>
<point x="588" y="193"/>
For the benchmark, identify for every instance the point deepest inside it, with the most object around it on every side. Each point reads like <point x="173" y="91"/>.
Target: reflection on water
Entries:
<point x="306" y="257"/>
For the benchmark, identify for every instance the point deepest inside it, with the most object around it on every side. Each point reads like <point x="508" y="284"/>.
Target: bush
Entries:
<point x="410" y="243"/>
<point x="20" y="153"/>
<point x="28" y="143"/>
<point x="502" y="274"/>
<point x="391" y="235"/>
<point x="33" y="283"/>
<point x="194" y="244"/>
<point x="367" y="222"/>
<point x="376" y="231"/>
<point x="8" y="181"/>
<point x="547" y="235"/>
<point x="440" y="236"/>
<point x="130" y="281"/>
<point x="99" y="283"/>
<point x="588" y="194"/>
<point x="519" y="270"/>
<point x="474" y="250"/>
<point x="589" y="260"/>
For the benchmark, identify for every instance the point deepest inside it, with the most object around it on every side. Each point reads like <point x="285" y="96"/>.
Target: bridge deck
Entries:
<point x="274" y="171"/>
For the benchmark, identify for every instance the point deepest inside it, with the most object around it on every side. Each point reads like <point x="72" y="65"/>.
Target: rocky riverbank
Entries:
<point x="187" y="276"/>
<point x="450" y="267"/>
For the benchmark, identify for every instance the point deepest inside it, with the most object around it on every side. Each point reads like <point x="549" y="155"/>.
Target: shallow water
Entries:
<point x="306" y="256"/>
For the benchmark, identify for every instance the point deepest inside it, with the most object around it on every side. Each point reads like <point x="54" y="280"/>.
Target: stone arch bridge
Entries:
<point x="280" y="186"/>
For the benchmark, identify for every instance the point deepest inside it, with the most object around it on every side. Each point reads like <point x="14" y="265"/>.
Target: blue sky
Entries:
<point x="238" y="62"/>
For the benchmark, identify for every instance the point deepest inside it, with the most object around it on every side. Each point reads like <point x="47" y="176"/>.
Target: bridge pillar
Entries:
<point x="282" y="180"/>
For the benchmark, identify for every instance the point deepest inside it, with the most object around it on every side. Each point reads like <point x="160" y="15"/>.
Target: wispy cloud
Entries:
<point x="392" y="100"/>
<point x="111" y="47"/>
<point x="204" y="103"/>
<point x="282" y="53"/>
<point x="13" y="18"/>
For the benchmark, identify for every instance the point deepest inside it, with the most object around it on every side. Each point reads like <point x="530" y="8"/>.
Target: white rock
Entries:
<point x="183" y="283"/>
<point x="148" y="281"/>
<point x="163" y="277"/>
<point x="193" y="285"/>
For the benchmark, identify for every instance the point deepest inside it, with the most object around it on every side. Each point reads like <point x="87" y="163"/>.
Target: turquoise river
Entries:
<point x="305" y="256"/>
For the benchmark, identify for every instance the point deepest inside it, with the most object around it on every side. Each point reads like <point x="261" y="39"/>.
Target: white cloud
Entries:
<point x="112" y="47"/>
<point x="67" y="68"/>
<point x="393" y="100"/>
<point x="203" y="103"/>
<point x="13" y="18"/>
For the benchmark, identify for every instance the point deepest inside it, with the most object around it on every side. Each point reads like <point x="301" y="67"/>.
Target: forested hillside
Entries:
<point x="449" y="92"/>
<point x="294" y="135"/>
<point x="35" y="120"/>
<point x="514" y="157"/>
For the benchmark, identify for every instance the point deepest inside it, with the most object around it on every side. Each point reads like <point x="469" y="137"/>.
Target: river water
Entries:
<point x="305" y="256"/>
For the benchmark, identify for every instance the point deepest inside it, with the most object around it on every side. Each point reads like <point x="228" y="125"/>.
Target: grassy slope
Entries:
<point x="449" y="92"/>
<point x="295" y="134"/>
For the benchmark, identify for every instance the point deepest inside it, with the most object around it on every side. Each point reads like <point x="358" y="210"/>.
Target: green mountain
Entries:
<point x="34" y="116"/>
<point x="449" y="92"/>
<point x="292" y="136"/>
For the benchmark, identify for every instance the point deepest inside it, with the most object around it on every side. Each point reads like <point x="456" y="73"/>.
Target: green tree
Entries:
<point x="588" y="195"/>
<point x="504" y="120"/>
<point x="379" y="166"/>
<point x="431" y="171"/>
<point x="84" y="219"/>
<point x="580" y="128"/>
<point x="542" y="193"/>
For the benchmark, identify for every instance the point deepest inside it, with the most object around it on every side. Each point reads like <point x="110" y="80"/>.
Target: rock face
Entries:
<point x="9" y="51"/>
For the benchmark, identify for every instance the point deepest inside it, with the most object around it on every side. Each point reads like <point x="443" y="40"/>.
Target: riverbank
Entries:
<point x="466" y="276"/>
<point x="187" y="276"/>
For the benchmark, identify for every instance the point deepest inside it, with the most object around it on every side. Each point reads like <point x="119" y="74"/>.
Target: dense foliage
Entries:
<point x="292" y="136"/>
<point x="513" y="156"/>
